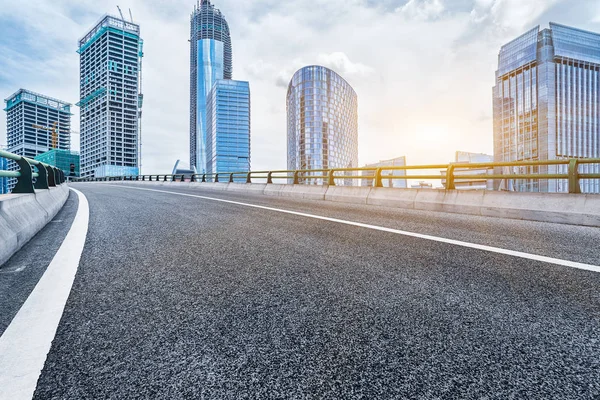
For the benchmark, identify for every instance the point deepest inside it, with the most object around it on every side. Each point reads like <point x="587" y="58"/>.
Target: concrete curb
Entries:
<point x="562" y="208"/>
<point x="22" y="216"/>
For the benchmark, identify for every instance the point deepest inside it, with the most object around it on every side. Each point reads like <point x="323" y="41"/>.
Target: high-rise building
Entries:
<point x="547" y="105"/>
<point x="463" y="177"/>
<point x="211" y="58"/>
<point x="228" y="127"/>
<point x="36" y="124"/>
<point x="322" y="123"/>
<point x="387" y="182"/>
<point x="110" y="98"/>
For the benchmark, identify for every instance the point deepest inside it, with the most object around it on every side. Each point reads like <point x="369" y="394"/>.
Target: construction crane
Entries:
<point x="53" y="130"/>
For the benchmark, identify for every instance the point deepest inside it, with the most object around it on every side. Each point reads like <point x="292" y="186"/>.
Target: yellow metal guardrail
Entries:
<point x="45" y="177"/>
<point x="328" y="176"/>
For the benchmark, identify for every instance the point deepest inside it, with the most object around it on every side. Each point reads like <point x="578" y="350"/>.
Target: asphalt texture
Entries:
<point x="20" y="274"/>
<point x="186" y="298"/>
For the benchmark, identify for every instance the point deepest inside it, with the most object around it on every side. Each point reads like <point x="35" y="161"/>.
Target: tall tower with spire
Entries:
<point x="211" y="58"/>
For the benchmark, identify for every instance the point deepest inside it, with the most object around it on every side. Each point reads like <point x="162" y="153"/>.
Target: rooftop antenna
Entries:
<point x="120" y="12"/>
<point x="131" y="16"/>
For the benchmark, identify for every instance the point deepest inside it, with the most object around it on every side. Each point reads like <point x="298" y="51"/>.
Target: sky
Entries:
<point x="423" y="69"/>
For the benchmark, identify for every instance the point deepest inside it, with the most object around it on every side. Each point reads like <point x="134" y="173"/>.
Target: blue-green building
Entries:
<point x="67" y="161"/>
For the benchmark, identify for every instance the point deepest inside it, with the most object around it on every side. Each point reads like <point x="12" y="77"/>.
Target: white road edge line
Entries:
<point x="26" y="342"/>
<point x="549" y="260"/>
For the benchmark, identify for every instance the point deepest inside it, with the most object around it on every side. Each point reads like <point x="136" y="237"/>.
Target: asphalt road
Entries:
<point x="186" y="298"/>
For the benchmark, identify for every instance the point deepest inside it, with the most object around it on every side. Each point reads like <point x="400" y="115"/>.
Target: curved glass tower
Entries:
<point x="322" y="122"/>
<point x="211" y="58"/>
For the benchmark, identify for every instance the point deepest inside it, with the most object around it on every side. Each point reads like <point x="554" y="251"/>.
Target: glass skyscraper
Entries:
<point x="547" y="105"/>
<point x="228" y="127"/>
<point x="322" y="122"/>
<point x="110" y="98"/>
<point x="211" y="59"/>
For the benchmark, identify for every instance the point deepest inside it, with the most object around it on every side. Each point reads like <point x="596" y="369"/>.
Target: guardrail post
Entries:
<point x="51" y="179"/>
<point x="25" y="181"/>
<point x="193" y="179"/>
<point x="182" y="177"/>
<point x="249" y="177"/>
<point x="378" y="182"/>
<point x="230" y="178"/>
<point x="574" y="186"/>
<point x="203" y="178"/>
<point x="143" y="177"/>
<point x="216" y="178"/>
<point x="61" y="174"/>
<point x="42" y="179"/>
<point x="270" y="178"/>
<point x="450" y="178"/>
<point x="331" y="177"/>
<point x="296" y="178"/>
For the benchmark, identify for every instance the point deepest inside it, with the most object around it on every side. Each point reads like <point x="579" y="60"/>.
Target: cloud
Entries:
<point x="340" y="63"/>
<point x="423" y="10"/>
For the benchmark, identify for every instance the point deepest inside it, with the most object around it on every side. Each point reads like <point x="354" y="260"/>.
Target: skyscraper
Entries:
<point x="211" y="59"/>
<point x="31" y="119"/>
<point x="547" y="104"/>
<point x="228" y="127"/>
<point x="110" y="98"/>
<point x="322" y="122"/>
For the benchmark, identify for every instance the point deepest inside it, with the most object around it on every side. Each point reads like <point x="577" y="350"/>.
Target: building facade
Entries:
<point x="211" y="59"/>
<point x="387" y="182"/>
<point x="110" y="98"/>
<point x="322" y="123"/>
<point x="35" y="124"/>
<point x="547" y="105"/>
<point x="67" y="161"/>
<point x="463" y="177"/>
<point x="228" y="127"/>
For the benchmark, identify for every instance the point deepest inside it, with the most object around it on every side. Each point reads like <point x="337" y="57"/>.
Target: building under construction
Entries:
<point x="36" y="124"/>
<point x="110" y="98"/>
<point x="66" y="160"/>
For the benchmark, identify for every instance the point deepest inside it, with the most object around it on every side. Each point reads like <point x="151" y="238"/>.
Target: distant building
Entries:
<point x="181" y="168"/>
<point x="228" y="127"/>
<point x="387" y="182"/>
<point x="52" y="118"/>
<point x="211" y="58"/>
<point x="462" y="180"/>
<point x="67" y="161"/>
<point x="322" y="123"/>
<point x="110" y="66"/>
<point x="422" y="185"/>
<point x="547" y="105"/>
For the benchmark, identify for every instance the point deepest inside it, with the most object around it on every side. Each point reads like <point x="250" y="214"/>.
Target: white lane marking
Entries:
<point x="535" y="257"/>
<point x="26" y="342"/>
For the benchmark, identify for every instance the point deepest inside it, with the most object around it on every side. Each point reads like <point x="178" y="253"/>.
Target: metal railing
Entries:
<point x="329" y="176"/>
<point x="44" y="177"/>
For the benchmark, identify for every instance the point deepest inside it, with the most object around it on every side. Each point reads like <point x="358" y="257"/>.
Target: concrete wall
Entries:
<point x="22" y="216"/>
<point x="563" y="208"/>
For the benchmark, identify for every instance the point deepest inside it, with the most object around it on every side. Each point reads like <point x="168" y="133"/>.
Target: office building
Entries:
<point x="322" y="123"/>
<point x="110" y="98"/>
<point x="387" y="182"/>
<point x="547" y="105"/>
<point x="211" y="59"/>
<point x="228" y="128"/>
<point x="67" y="161"/>
<point x="35" y="124"/>
<point x="463" y="176"/>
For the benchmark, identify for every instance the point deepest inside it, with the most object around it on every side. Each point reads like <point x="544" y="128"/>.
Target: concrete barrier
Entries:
<point x="563" y="208"/>
<point x="22" y="216"/>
